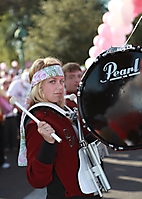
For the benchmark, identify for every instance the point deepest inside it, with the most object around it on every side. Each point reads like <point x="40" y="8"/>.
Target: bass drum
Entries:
<point x="110" y="98"/>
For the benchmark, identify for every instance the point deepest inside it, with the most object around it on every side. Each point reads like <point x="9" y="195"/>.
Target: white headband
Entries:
<point x="44" y="73"/>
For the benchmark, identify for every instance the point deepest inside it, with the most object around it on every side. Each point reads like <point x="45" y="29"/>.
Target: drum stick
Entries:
<point x="13" y="101"/>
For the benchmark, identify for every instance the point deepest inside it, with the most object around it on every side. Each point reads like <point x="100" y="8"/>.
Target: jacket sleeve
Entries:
<point x="40" y="156"/>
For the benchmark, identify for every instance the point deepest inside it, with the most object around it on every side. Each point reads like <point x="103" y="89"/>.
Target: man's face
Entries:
<point x="72" y="80"/>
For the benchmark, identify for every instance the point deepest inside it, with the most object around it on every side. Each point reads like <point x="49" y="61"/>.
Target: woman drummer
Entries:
<point x="51" y="164"/>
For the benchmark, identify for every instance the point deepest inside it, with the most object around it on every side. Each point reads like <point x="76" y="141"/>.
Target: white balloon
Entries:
<point x="114" y="20"/>
<point x="114" y="5"/>
<point x="88" y="62"/>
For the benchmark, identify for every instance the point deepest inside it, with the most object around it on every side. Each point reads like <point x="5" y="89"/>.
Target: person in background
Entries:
<point x="3" y="108"/>
<point x="5" y="84"/>
<point x="19" y="88"/>
<point x="73" y="73"/>
<point x="49" y="163"/>
<point x="10" y="128"/>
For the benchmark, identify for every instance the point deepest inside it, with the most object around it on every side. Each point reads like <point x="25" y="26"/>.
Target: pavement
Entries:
<point x="123" y="170"/>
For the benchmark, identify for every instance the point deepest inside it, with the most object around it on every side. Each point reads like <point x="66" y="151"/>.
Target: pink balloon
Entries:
<point x="137" y="7"/>
<point x="127" y="28"/>
<point x="118" y="41"/>
<point x="96" y="40"/>
<point x="104" y="43"/>
<point x="94" y="51"/>
<point x="122" y="30"/>
<point x="104" y="30"/>
<point x="117" y="31"/>
<point x="105" y="16"/>
<point x="127" y="12"/>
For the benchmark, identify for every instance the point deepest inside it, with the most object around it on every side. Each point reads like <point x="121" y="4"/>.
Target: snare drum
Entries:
<point x="110" y="97"/>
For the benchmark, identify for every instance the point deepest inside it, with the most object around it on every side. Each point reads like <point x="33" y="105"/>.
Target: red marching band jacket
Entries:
<point x="44" y="157"/>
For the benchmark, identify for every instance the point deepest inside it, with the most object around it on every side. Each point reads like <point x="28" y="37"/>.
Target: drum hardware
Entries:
<point x="112" y="50"/>
<point x="91" y="175"/>
<point x="93" y="170"/>
<point x="71" y="114"/>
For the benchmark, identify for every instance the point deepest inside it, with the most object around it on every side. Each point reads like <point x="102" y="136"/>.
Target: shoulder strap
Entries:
<point x="22" y="156"/>
<point x="50" y="105"/>
<point x="66" y="113"/>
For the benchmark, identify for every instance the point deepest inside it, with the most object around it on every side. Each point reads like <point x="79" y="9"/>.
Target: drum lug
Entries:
<point x="83" y="143"/>
<point x="79" y="89"/>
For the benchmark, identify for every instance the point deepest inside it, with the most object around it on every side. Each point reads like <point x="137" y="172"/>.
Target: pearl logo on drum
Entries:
<point x="112" y="72"/>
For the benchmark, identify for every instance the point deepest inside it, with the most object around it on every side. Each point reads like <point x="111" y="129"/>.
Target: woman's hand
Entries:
<point x="45" y="130"/>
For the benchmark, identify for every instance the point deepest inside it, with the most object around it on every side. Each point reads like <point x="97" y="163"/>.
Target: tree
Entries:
<point x="62" y="28"/>
<point x="17" y="6"/>
<point x="66" y="30"/>
<point x="7" y="51"/>
<point x="12" y="15"/>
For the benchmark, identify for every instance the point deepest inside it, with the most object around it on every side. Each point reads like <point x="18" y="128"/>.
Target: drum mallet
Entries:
<point x="13" y="101"/>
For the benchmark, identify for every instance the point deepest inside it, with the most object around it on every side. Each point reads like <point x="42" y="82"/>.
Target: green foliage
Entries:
<point x="19" y="6"/>
<point x="66" y="30"/>
<point x="61" y="28"/>
<point x="7" y="51"/>
<point x="14" y="13"/>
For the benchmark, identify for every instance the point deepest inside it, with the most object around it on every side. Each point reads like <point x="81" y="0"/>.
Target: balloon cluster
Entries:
<point x="117" y="23"/>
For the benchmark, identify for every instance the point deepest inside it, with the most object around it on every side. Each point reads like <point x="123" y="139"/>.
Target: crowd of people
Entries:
<point x="49" y="163"/>
<point x="15" y="84"/>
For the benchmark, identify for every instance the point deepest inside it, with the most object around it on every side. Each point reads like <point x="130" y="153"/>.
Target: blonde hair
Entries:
<point x="36" y="94"/>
